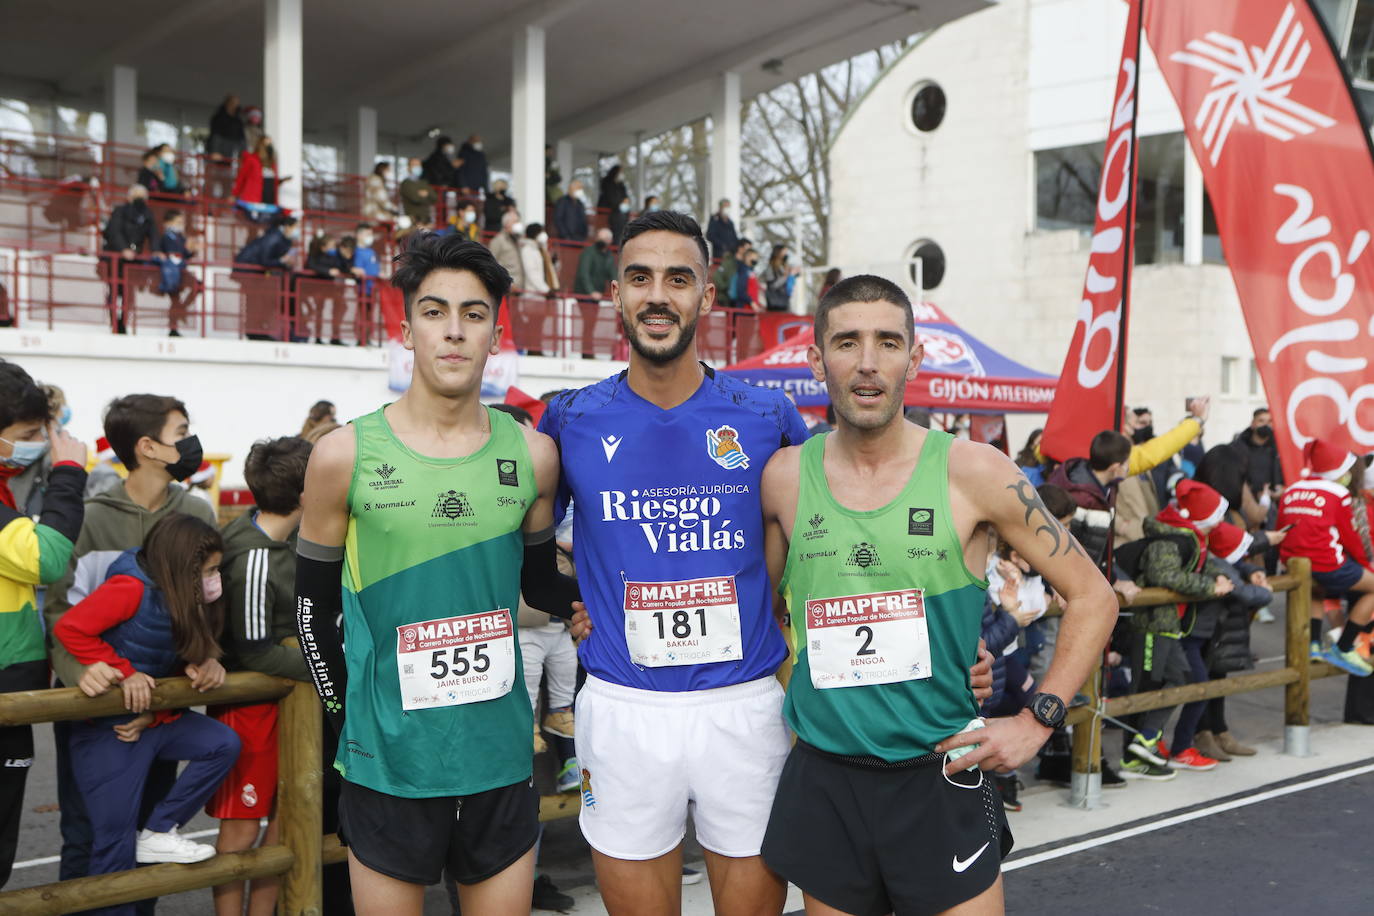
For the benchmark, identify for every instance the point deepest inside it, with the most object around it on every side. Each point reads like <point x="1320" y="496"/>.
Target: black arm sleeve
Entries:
<point x="64" y="504"/>
<point x="319" y="570"/>
<point x="542" y="585"/>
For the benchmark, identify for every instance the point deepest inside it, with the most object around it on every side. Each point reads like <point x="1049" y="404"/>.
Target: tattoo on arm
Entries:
<point x="1062" y="541"/>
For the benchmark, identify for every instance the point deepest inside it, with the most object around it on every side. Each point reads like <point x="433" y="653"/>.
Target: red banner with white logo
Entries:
<point x="1088" y="397"/>
<point x="1288" y="164"/>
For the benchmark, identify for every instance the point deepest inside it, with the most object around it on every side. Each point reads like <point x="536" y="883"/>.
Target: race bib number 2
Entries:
<point x="455" y="660"/>
<point x="691" y="622"/>
<point x="868" y="639"/>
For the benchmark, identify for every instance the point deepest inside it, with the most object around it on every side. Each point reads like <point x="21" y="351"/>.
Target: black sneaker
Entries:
<point x="1111" y="779"/>
<point x="1056" y="770"/>
<point x="1007" y="787"/>
<point x="547" y="896"/>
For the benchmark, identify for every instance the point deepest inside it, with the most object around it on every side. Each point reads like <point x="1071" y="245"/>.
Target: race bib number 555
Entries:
<point x="455" y="660"/>
<point x="868" y="639"/>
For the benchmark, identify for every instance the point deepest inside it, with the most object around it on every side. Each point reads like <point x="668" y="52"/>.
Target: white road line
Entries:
<point x="1184" y="818"/>
<point x="50" y="860"/>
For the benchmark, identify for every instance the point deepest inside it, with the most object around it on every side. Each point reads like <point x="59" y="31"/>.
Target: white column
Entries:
<point x="563" y="151"/>
<point x="121" y="105"/>
<point x="725" y="144"/>
<point x="641" y="189"/>
<point x="1192" y="208"/>
<point x="362" y="140"/>
<point x="527" y="123"/>
<point x="283" y="107"/>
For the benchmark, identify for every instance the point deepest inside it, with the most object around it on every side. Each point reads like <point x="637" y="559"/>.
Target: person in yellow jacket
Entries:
<point x="32" y="553"/>
<point x="1153" y="452"/>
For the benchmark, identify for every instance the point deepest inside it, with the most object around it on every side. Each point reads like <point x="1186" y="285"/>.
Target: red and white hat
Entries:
<point x="205" y="472"/>
<point x="1229" y="542"/>
<point x="103" y="451"/>
<point x="1325" y="460"/>
<point x="1199" y="503"/>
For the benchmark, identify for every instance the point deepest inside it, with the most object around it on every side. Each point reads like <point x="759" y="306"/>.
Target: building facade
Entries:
<point x="980" y="151"/>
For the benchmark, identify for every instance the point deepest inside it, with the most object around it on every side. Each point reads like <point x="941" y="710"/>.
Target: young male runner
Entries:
<point x="681" y="709"/>
<point x="435" y="514"/>
<point x="877" y="535"/>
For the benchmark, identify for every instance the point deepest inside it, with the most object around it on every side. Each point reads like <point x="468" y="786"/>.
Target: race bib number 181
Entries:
<point x="455" y="660"/>
<point x="691" y="622"/>
<point x="867" y="639"/>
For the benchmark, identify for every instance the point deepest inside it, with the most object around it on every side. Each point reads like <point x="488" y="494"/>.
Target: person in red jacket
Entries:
<point x="1319" y="508"/>
<point x="158" y="614"/>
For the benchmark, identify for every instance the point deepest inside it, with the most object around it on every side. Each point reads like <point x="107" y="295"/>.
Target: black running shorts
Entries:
<point x="870" y="838"/>
<point x="416" y="839"/>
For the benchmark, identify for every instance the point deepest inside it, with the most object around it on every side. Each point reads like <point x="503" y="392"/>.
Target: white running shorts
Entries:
<point x="648" y="756"/>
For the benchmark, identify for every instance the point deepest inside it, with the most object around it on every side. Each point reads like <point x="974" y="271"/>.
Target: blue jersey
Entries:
<point x="668" y="529"/>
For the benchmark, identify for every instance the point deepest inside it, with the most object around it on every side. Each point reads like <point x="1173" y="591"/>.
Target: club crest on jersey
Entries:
<point x="452" y="505"/>
<point x="723" y="445"/>
<point x="863" y="555"/>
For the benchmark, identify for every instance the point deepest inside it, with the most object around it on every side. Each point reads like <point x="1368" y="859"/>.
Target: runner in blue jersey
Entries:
<point x="681" y="708"/>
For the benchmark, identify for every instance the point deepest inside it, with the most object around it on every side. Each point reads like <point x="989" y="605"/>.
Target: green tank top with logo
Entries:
<point x="885" y="615"/>
<point x="436" y="702"/>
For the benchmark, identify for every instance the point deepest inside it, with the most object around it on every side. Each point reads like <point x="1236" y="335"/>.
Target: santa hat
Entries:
<point x="204" y="473"/>
<point x="1199" y="503"/>
<point x="103" y="451"/>
<point x="1325" y="460"/>
<point x="1229" y="542"/>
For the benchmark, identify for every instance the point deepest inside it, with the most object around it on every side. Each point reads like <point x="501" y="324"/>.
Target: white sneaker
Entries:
<point x="1265" y="615"/>
<point x="170" y="847"/>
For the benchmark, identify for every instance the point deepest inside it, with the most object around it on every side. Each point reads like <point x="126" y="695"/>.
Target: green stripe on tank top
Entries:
<point x="431" y="539"/>
<point x="910" y="543"/>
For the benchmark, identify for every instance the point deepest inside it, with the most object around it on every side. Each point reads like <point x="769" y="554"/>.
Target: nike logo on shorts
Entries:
<point x="961" y="867"/>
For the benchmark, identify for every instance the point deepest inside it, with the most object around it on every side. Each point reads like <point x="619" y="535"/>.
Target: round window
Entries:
<point x="931" y="270"/>
<point x="927" y="106"/>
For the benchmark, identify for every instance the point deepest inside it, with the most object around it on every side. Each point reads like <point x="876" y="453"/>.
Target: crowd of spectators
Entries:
<point x="1162" y="510"/>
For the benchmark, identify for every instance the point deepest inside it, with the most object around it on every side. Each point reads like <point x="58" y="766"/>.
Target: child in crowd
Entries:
<point x="150" y="435"/>
<point x="156" y="615"/>
<point x="1173" y="555"/>
<point x="260" y="592"/>
<point x="174" y="249"/>
<point x="1319" y="509"/>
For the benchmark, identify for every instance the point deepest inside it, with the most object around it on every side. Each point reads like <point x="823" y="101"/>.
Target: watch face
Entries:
<point x="1051" y="708"/>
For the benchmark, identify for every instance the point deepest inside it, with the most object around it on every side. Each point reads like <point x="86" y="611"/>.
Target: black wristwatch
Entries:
<point x="1048" y="710"/>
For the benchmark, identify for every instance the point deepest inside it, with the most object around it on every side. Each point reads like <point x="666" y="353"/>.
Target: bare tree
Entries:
<point x="784" y="156"/>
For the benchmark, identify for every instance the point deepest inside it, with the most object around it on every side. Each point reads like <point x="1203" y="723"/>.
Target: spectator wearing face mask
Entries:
<point x="32" y="552"/>
<point x="778" y="280"/>
<point x="167" y="165"/>
<point x="505" y="246"/>
<point x="464" y="223"/>
<point x="613" y="190"/>
<point x="1264" y="474"/>
<point x="255" y="186"/>
<point x="472" y="172"/>
<point x="150" y="174"/>
<point x="725" y="274"/>
<point x="417" y="194"/>
<point x="441" y="166"/>
<point x="619" y="217"/>
<point x="538" y="265"/>
<point x="744" y="288"/>
<point x="129" y="229"/>
<point x="595" y="271"/>
<point x="570" y="213"/>
<point x="497" y="203"/>
<point x="377" y="205"/>
<point x="651" y="203"/>
<point x="720" y="231"/>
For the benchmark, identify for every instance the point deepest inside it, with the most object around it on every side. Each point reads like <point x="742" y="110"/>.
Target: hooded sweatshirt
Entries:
<point x="113" y="524"/>
<point x="260" y="600"/>
<point x="35" y="553"/>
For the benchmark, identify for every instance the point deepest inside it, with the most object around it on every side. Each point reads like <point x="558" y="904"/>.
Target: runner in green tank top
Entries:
<point x="873" y="534"/>
<point x="424" y="523"/>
